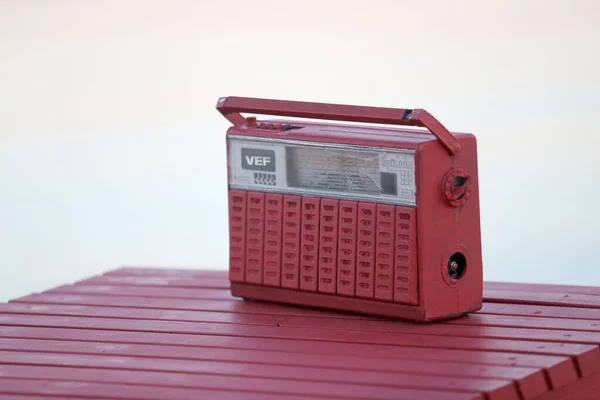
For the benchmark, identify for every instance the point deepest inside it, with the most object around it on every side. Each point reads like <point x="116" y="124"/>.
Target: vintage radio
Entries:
<point x="361" y="218"/>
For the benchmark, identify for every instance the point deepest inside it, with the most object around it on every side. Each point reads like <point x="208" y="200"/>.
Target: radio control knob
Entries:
<point x="456" y="187"/>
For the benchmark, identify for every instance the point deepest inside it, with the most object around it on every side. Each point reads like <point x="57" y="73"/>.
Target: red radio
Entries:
<point x="373" y="220"/>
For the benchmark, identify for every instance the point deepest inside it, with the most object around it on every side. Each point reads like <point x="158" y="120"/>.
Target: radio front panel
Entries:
<point x="320" y="169"/>
<point x="330" y="246"/>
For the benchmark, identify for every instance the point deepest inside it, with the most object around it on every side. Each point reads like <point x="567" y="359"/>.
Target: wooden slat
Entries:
<point x="139" y="302"/>
<point x="527" y="322"/>
<point x="535" y="287"/>
<point x="153" y="314"/>
<point x="26" y="397"/>
<point x="289" y="326"/>
<point x="155" y="309"/>
<point x="147" y="291"/>
<point x="496" y="294"/>
<point x="540" y="311"/>
<point x="292" y="327"/>
<point x="222" y="274"/>
<point x="119" y="391"/>
<point x="531" y="381"/>
<point x="523" y="292"/>
<point x="328" y="330"/>
<point x="176" y="305"/>
<point x="317" y="382"/>
<point x="266" y="314"/>
<point x="169" y="272"/>
<point x="157" y="281"/>
<point x="584" y="389"/>
<point x="559" y="370"/>
<point x="355" y="363"/>
<point x="146" y="328"/>
<point x="542" y="298"/>
<point x="586" y="359"/>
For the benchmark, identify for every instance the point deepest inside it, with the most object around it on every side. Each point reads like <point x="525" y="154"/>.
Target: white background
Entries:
<point x="111" y="151"/>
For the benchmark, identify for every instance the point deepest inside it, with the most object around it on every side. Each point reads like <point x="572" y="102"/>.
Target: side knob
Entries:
<point x="456" y="187"/>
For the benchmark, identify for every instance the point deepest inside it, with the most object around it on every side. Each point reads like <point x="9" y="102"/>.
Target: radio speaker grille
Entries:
<point x="348" y="248"/>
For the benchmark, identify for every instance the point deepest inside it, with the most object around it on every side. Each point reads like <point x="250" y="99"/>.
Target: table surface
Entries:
<point x="146" y="333"/>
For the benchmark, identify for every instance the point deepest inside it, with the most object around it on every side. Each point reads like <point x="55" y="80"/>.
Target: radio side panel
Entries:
<point x="446" y="231"/>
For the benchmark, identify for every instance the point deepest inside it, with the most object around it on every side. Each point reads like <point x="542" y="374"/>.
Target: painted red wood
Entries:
<point x="173" y="272"/>
<point x="159" y="314"/>
<point x="251" y="356"/>
<point x="174" y="304"/>
<point x="587" y="354"/>
<point x="528" y="322"/>
<point x="147" y="291"/>
<point x="157" y="281"/>
<point x="301" y="321"/>
<point x="560" y="371"/>
<point x="584" y="389"/>
<point x="118" y="391"/>
<point x="234" y="305"/>
<point x="586" y="358"/>
<point x="131" y="333"/>
<point x="540" y="311"/>
<point x="531" y="381"/>
<point x="534" y="287"/>
<point x="280" y="379"/>
<point x="26" y="397"/>
<point x="543" y="298"/>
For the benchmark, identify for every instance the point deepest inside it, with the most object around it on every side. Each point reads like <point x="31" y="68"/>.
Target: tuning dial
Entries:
<point x="456" y="187"/>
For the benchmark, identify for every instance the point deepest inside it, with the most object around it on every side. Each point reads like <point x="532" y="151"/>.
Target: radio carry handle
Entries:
<point x="231" y="107"/>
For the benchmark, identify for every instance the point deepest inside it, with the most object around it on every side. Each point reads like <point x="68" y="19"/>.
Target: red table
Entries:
<point x="140" y="333"/>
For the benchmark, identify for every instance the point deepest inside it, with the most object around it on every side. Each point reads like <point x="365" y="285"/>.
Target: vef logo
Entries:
<point x="258" y="159"/>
